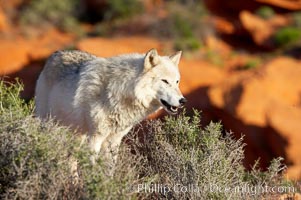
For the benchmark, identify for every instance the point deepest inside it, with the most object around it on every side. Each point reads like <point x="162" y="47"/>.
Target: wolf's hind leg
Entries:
<point x="42" y="98"/>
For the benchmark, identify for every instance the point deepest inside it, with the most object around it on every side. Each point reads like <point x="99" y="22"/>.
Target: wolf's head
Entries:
<point x="162" y="73"/>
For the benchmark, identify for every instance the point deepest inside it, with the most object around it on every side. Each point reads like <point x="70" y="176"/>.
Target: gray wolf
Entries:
<point x="103" y="98"/>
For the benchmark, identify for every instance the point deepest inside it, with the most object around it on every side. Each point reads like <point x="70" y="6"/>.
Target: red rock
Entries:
<point x="230" y="9"/>
<point x="283" y="81"/>
<point x="286" y="4"/>
<point x="285" y="121"/>
<point x="217" y="45"/>
<point x="268" y="98"/>
<point x="256" y="26"/>
<point x="109" y="47"/>
<point x="52" y="40"/>
<point x="278" y="81"/>
<point x="3" y="22"/>
<point x="223" y="25"/>
<point x="195" y="74"/>
<point x="260" y="29"/>
<point x="14" y="55"/>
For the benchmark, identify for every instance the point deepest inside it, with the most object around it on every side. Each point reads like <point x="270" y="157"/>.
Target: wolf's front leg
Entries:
<point x="110" y="146"/>
<point x="109" y="153"/>
<point x="95" y="142"/>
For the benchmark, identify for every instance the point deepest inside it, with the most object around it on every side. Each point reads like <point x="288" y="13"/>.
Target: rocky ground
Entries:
<point x="259" y="98"/>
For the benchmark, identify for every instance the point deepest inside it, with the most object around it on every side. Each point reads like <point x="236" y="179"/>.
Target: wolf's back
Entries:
<point x="62" y="64"/>
<point x="63" y="67"/>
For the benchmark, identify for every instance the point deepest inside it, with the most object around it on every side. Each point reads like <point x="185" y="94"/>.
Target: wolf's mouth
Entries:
<point x="169" y="108"/>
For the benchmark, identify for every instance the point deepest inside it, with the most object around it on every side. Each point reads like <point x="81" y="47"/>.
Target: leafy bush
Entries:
<point x="123" y="9"/>
<point x="36" y="158"/>
<point x="251" y="64"/>
<point x="297" y="19"/>
<point x="186" y="24"/>
<point x="56" y="12"/>
<point x="287" y="36"/>
<point x="33" y="162"/>
<point x="265" y="12"/>
<point x="185" y="39"/>
<point x="164" y="160"/>
<point x="213" y="57"/>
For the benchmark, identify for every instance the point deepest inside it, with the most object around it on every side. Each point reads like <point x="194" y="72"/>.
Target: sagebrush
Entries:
<point x="42" y="13"/>
<point x="174" y="158"/>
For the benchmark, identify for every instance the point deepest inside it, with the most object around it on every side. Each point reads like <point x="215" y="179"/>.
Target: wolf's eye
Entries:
<point x="177" y="81"/>
<point x="165" y="81"/>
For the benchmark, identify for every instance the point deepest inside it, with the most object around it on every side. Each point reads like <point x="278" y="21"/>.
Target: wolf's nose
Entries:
<point x="182" y="101"/>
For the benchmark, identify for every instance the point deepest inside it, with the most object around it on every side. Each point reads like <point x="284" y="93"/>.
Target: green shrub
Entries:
<point x="265" y="12"/>
<point x="33" y="155"/>
<point x="36" y="157"/>
<point x="185" y="37"/>
<point x="123" y="9"/>
<point x="287" y="36"/>
<point x="10" y="100"/>
<point x="62" y="14"/>
<point x="190" y="44"/>
<point x="297" y="19"/>
<point x="213" y="57"/>
<point x="185" y="26"/>
<point x="116" y="15"/>
<point x="251" y="64"/>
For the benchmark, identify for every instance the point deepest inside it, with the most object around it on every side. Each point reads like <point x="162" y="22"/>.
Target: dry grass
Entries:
<point x="173" y="159"/>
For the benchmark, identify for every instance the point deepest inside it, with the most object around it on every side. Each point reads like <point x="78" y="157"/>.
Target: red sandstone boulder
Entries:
<point x="196" y="74"/>
<point x="260" y="29"/>
<point x="17" y="52"/>
<point x="3" y="22"/>
<point x="25" y="58"/>
<point x="52" y="40"/>
<point x="285" y="135"/>
<point x="286" y="4"/>
<point x="231" y="8"/>
<point x="217" y="45"/>
<point x="106" y="47"/>
<point x="14" y="55"/>
<point x="235" y="6"/>
<point x="266" y="106"/>
<point x="248" y="94"/>
<point x="224" y="25"/>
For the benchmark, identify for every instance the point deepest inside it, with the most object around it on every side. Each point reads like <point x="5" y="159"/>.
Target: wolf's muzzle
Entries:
<point x="182" y="101"/>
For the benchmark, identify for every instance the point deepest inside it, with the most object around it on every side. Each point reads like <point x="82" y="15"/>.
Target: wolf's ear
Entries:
<point x="176" y="58"/>
<point x="151" y="59"/>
